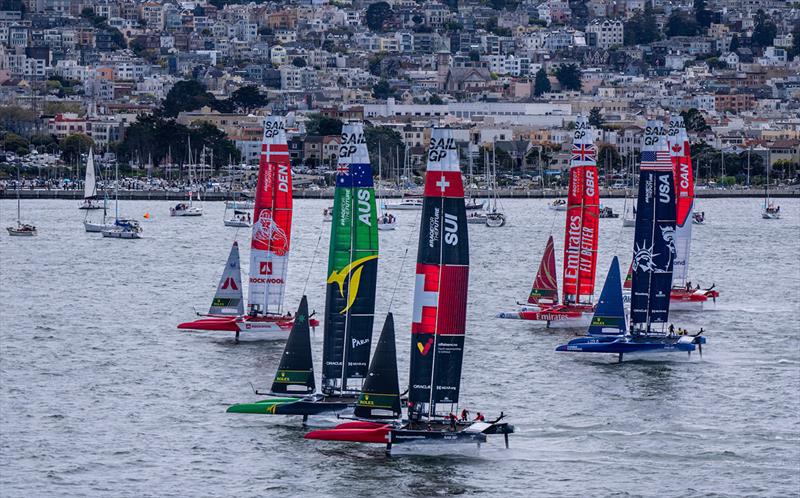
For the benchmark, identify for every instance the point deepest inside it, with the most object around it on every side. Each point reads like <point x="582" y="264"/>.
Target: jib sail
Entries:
<point x="380" y="396"/>
<point x="609" y="315"/>
<point x="228" y="298"/>
<point x="545" y="285"/>
<point x="295" y="373"/>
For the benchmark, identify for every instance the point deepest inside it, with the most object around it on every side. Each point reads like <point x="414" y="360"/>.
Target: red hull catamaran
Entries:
<point x="269" y="247"/>
<point x="580" y="246"/>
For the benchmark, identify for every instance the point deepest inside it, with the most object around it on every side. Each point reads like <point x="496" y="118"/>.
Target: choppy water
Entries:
<point x="100" y="394"/>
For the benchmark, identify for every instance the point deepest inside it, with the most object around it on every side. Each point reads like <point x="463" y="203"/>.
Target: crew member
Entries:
<point x="464" y="415"/>
<point x="479" y="417"/>
<point x="452" y="418"/>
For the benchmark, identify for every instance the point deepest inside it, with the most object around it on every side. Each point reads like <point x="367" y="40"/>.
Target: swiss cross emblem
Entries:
<point x="265" y="268"/>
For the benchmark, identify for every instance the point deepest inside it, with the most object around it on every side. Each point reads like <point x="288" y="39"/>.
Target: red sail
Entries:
<point x="628" y="277"/>
<point x="681" y="156"/>
<point x="545" y="286"/>
<point x="583" y="213"/>
<point x="272" y="221"/>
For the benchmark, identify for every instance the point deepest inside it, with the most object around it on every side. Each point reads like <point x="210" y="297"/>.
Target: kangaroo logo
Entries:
<point x="354" y="271"/>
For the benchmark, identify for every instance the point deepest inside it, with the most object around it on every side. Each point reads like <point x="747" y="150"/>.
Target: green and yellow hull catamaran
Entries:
<point x="349" y="302"/>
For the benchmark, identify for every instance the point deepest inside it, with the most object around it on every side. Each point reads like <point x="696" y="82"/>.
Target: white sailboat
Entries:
<point x="90" y="185"/>
<point x="183" y="209"/>
<point x="494" y="217"/>
<point x="91" y="226"/>
<point x="769" y="211"/>
<point x="122" y="228"/>
<point x="22" y="229"/>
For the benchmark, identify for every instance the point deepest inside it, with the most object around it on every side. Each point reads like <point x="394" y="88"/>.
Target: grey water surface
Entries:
<point x="100" y="394"/>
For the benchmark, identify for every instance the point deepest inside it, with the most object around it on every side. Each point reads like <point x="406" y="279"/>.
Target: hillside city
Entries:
<point x="164" y="88"/>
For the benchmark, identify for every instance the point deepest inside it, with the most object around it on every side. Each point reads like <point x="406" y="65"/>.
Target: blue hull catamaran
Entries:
<point x="653" y="258"/>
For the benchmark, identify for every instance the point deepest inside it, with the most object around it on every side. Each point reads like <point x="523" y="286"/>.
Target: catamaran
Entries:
<point x="350" y="293"/>
<point x="269" y="248"/>
<point x="653" y="259"/>
<point x="22" y="229"/>
<point x="90" y="185"/>
<point x="438" y="323"/>
<point x="580" y="246"/>
<point x="683" y="296"/>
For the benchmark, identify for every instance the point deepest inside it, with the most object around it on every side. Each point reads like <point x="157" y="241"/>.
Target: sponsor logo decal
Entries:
<point x="643" y="256"/>
<point x="360" y="342"/>
<point x="353" y="271"/>
<point x="267" y="235"/>
<point x="423" y="349"/>
<point x="230" y="282"/>
<point x="265" y="268"/>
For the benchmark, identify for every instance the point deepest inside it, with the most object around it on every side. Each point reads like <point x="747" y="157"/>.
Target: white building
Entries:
<point x="606" y="33"/>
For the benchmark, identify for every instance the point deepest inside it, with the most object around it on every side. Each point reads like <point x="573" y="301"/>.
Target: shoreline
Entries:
<point x="145" y="195"/>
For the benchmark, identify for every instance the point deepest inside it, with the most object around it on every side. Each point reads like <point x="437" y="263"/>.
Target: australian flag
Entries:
<point x="354" y="175"/>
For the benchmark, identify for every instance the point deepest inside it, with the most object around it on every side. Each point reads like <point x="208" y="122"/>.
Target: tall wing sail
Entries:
<point x="352" y="265"/>
<point x="684" y="195"/>
<point x="295" y="373"/>
<point x="90" y="184"/>
<point x="272" y="221"/>
<point x="380" y="396"/>
<point x="228" y="298"/>
<point x="609" y="316"/>
<point x="442" y="275"/>
<point x="654" y="240"/>
<point x="545" y="285"/>
<point x="583" y="213"/>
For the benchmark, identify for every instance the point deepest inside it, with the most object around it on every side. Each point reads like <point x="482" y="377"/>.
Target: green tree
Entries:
<point x="323" y="125"/>
<point x="382" y="90"/>
<point x="247" y="98"/>
<point x="569" y="75"/>
<point x="541" y="83"/>
<point x="17" y="119"/>
<point x="694" y="121"/>
<point x="435" y="100"/>
<point x="608" y="158"/>
<point x="377" y="14"/>
<point x="299" y="62"/>
<point x="680" y="24"/>
<point x="16" y="144"/>
<point x="44" y="140"/>
<point x="764" y="30"/>
<point x="391" y="146"/>
<point x="596" y="117"/>
<point x="186" y="95"/>
<point x="796" y="40"/>
<point x="642" y="28"/>
<point x="72" y="146"/>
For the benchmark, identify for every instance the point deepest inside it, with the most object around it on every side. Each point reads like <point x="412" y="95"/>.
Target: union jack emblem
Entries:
<point x="583" y="152"/>
<point x="343" y="169"/>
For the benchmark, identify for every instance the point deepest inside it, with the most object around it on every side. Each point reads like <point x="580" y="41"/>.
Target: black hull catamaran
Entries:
<point x="438" y="324"/>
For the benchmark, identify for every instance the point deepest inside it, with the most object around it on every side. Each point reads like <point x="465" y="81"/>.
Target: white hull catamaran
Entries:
<point x="269" y="248"/>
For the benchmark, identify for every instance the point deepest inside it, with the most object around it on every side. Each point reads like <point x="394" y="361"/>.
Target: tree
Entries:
<point x="569" y="75"/>
<point x="435" y="100"/>
<point x="247" y="98"/>
<point x="44" y="140"/>
<point x="377" y="14"/>
<point x="323" y="125"/>
<point x="391" y="147"/>
<point x="541" y="83"/>
<point x="16" y="144"/>
<point x="694" y="121"/>
<point x="608" y="158"/>
<point x="382" y="90"/>
<point x="17" y="119"/>
<point x="596" y="117"/>
<point x="680" y="24"/>
<point x="72" y="146"/>
<point x="734" y="46"/>
<point x="702" y="15"/>
<point x="186" y="95"/>
<point x="796" y="40"/>
<point x="764" y="30"/>
<point x="642" y="29"/>
<point x="299" y="62"/>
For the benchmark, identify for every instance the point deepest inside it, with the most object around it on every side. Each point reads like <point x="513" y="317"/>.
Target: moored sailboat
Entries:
<point x="269" y="247"/>
<point x="580" y="242"/>
<point x="90" y="185"/>
<point x="653" y="259"/>
<point x="683" y="296"/>
<point x="351" y="283"/>
<point x="438" y="322"/>
<point x="22" y="229"/>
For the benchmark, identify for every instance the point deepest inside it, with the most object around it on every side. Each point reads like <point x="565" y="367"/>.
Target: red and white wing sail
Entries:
<point x="583" y="213"/>
<point x="680" y="153"/>
<point x="272" y="221"/>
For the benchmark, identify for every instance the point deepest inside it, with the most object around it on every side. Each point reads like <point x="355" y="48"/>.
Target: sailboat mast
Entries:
<point x="18" y="201"/>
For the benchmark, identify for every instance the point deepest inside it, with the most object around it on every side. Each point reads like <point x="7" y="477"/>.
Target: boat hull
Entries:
<point x="258" y="328"/>
<point x="403" y="207"/>
<point x="193" y="211"/>
<point x="235" y="223"/>
<point x="121" y="234"/>
<point x="628" y="222"/>
<point x="637" y="347"/>
<point x="387" y="226"/>
<point x="693" y="300"/>
<point x="556" y="317"/>
<point x="96" y="227"/>
<point x="20" y="233"/>
<point x="296" y="406"/>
